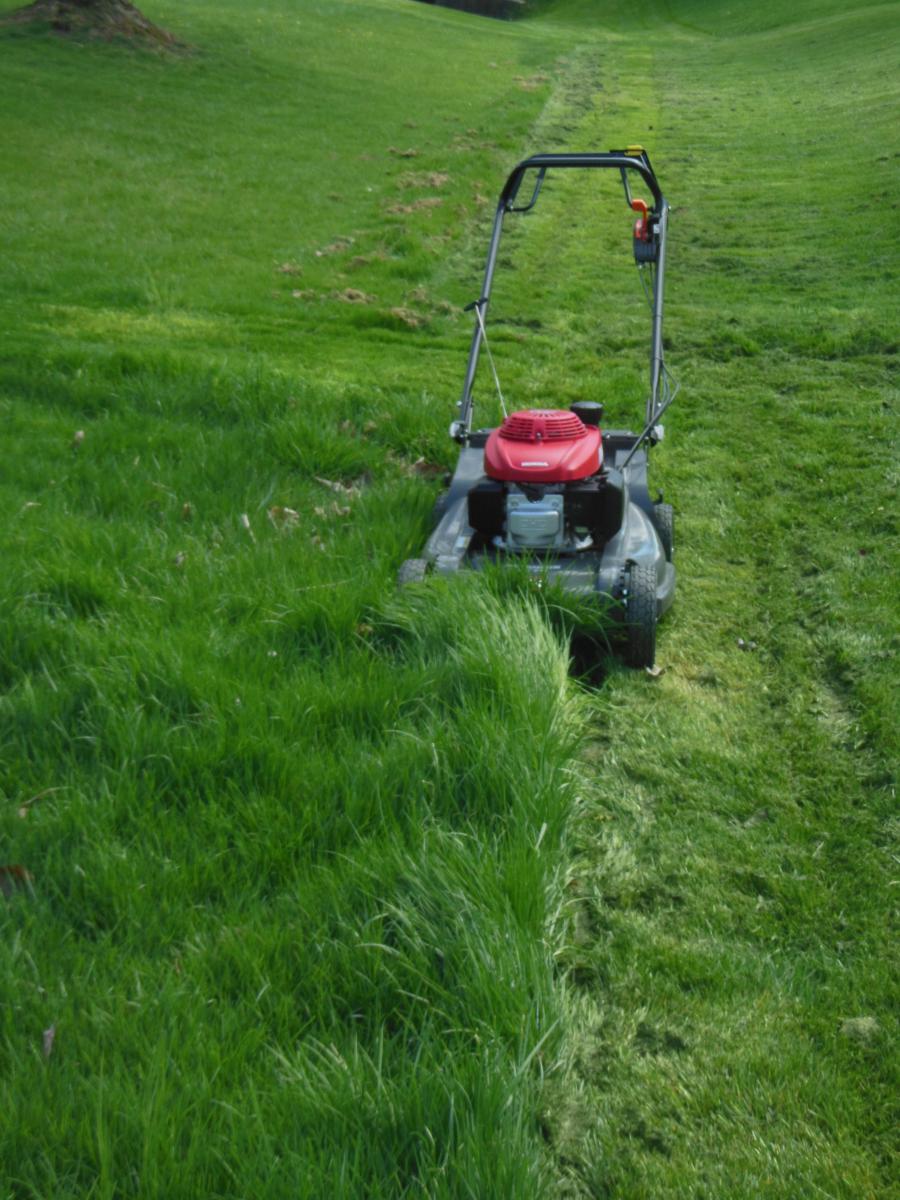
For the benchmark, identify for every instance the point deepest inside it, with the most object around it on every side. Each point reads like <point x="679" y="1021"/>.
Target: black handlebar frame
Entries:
<point x="620" y="160"/>
<point x="634" y="159"/>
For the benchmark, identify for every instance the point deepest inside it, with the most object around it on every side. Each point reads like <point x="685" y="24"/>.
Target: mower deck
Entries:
<point x="593" y="573"/>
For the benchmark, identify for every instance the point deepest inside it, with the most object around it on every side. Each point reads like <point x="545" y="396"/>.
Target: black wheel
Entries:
<point x="640" y="616"/>
<point x="412" y="571"/>
<point x="665" y="527"/>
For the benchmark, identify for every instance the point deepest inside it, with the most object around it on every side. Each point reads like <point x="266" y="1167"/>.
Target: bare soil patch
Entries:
<point x="111" y="20"/>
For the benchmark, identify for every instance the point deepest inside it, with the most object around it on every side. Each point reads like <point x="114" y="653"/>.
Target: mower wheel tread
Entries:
<point x="640" y="616"/>
<point x="413" y="570"/>
<point x="665" y="525"/>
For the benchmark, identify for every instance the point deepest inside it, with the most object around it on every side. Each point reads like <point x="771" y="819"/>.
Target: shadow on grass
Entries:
<point x="591" y="659"/>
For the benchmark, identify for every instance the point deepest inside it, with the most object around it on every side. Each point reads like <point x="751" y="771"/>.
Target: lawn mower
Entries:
<point x="548" y="487"/>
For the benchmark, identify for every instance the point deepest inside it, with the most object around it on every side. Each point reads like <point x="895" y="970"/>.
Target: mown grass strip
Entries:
<point x="730" y="942"/>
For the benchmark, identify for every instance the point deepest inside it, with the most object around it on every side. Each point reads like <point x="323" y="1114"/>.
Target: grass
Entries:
<point x="339" y="893"/>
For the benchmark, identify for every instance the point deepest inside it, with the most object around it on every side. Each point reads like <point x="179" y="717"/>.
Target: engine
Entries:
<point x="545" y="489"/>
<point x="537" y="524"/>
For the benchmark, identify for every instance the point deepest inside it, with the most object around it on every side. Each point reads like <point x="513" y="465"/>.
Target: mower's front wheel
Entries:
<point x="640" y="616"/>
<point x="665" y="525"/>
<point x="413" y="570"/>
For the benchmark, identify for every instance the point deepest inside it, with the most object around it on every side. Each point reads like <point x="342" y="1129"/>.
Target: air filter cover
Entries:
<point x="543" y="445"/>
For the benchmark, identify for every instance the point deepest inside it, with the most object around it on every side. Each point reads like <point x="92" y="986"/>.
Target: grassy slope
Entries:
<point x="259" y="970"/>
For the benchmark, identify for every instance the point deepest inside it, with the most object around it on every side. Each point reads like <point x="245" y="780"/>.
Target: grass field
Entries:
<point x="339" y="893"/>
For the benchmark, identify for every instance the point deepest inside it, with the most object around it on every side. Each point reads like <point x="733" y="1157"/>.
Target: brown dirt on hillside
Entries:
<point x="111" y="20"/>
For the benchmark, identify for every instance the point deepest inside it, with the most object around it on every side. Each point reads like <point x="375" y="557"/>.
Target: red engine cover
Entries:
<point x="543" y="445"/>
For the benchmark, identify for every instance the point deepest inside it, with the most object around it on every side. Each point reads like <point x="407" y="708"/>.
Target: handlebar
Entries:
<point x="633" y="159"/>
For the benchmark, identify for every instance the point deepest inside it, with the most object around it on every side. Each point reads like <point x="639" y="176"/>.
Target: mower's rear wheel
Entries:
<point x="665" y="526"/>
<point x="413" y="570"/>
<point x="640" y="616"/>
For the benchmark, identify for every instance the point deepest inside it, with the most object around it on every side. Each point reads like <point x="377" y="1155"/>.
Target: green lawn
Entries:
<point x="340" y="893"/>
